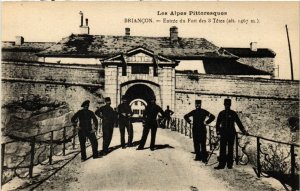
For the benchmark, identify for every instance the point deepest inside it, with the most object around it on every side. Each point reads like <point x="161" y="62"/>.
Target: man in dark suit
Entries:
<point x="85" y="130"/>
<point x="125" y="113"/>
<point x="168" y="114"/>
<point x="108" y="116"/>
<point x="226" y="129"/>
<point x="150" y="122"/>
<point x="199" y="129"/>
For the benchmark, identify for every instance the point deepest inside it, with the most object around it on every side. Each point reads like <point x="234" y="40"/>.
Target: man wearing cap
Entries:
<point x="168" y="114"/>
<point x="124" y="113"/>
<point x="199" y="129"/>
<point x="226" y="129"/>
<point x="107" y="114"/>
<point x="85" y="117"/>
<point x="150" y="122"/>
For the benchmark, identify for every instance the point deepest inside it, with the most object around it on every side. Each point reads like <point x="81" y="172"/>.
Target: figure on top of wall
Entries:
<point x="199" y="129"/>
<point x="226" y="130"/>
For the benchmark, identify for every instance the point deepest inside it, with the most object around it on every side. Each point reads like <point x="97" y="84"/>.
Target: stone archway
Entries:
<point x="138" y="95"/>
<point x="139" y="91"/>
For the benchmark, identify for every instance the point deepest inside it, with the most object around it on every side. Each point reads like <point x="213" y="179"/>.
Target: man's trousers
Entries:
<point x="147" y="127"/>
<point x="107" y="135"/>
<point x="94" y="143"/>
<point x="122" y="125"/>
<point x="199" y="139"/>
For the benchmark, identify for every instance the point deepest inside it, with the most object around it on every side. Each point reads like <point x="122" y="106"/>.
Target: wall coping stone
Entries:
<point x="235" y="95"/>
<point x="50" y="82"/>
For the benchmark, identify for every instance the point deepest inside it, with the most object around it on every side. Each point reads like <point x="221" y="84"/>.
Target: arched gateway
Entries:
<point x="140" y="74"/>
<point x="139" y="91"/>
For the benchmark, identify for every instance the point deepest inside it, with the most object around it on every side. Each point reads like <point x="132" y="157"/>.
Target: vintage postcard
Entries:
<point x="150" y="96"/>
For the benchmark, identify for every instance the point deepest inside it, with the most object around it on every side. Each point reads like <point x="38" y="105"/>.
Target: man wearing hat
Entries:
<point x="107" y="114"/>
<point x="226" y="129"/>
<point x="199" y="129"/>
<point x="124" y="113"/>
<point x="85" y="117"/>
<point x="149" y="117"/>
<point x="167" y="119"/>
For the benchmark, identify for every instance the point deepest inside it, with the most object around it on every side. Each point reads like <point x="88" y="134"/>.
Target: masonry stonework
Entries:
<point x="72" y="95"/>
<point x="53" y="72"/>
<point x="264" y="106"/>
<point x="158" y="73"/>
<point x="238" y="86"/>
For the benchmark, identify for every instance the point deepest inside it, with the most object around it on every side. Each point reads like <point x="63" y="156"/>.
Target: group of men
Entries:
<point x="225" y="127"/>
<point x="87" y="119"/>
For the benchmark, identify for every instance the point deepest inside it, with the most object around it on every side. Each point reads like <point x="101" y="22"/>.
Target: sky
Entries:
<point x="52" y="21"/>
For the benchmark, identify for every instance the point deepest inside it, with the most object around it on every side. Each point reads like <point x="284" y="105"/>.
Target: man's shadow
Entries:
<point x="165" y="146"/>
<point x="158" y="147"/>
<point x="135" y="143"/>
<point x="111" y="149"/>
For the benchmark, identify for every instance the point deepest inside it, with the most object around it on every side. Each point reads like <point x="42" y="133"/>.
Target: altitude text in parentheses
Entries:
<point x="229" y="21"/>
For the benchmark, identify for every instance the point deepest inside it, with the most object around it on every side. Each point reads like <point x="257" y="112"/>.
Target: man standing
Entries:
<point x="125" y="113"/>
<point x="168" y="114"/>
<point x="199" y="130"/>
<point x="150" y="122"/>
<point x="226" y="129"/>
<point x="85" y="130"/>
<point x="107" y="114"/>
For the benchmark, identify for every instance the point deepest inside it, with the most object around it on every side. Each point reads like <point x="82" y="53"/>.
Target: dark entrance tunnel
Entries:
<point x="139" y="91"/>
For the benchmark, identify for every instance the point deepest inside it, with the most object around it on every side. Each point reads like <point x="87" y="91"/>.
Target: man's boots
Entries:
<point x="220" y="166"/>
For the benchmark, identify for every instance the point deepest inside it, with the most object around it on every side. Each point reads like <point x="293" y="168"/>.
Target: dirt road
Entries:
<point x="170" y="167"/>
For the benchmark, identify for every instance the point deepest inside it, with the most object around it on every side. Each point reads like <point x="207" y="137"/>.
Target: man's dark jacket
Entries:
<point x="85" y="117"/>
<point x="225" y="123"/>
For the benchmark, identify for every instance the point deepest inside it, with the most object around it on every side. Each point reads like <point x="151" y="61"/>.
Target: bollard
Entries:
<point x="74" y="135"/>
<point x="64" y="142"/>
<point x="31" y="157"/>
<point x="181" y="126"/>
<point x="174" y="124"/>
<point x="2" y="161"/>
<point x="258" y="157"/>
<point x="51" y="147"/>
<point x="237" y="149"/>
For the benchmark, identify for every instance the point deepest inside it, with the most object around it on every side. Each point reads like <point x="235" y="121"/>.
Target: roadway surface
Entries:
<point x="170" y="167"/>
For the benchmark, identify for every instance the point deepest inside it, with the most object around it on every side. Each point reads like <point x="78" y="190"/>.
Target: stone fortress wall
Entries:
<point x="263" y="105"/>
